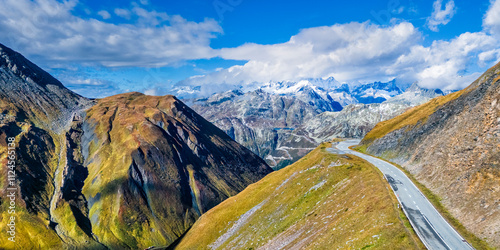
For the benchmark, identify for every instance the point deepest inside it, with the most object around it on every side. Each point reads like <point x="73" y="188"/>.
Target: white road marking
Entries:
<point x="439" y="235"/>
<point x="450" y="240"/>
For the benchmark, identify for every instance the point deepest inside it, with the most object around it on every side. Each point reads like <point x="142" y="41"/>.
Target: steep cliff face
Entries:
<point x="452" y="145"/>
<point x="155" y="166"/>
<point x="129" y="171"/>
<point x="35" y="110"/>
<point x="35" y="94"/>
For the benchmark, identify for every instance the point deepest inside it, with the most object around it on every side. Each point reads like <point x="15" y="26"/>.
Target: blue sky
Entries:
<point x="100" y="48"/>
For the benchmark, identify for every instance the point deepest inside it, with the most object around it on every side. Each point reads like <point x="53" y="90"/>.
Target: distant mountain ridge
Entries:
<point x="376" y="92"/>
<point x="328" y="88"/>
<point x="282" y="121"/>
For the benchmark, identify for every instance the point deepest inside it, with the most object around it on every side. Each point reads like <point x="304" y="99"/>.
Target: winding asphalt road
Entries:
<point x="430" y="226"/>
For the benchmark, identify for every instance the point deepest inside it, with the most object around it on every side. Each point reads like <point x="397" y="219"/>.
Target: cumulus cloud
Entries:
<point x="441" y="16"/>
<point x="491" y="19"/>
<point x="444" y="63"/>
<point x="104" y="14"/>
<point x="156" y="39"/>
<point x="343" y="51"/>
<point x="359" y="52"/>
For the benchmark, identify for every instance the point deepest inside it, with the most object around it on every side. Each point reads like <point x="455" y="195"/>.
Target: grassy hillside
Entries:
<point x="323" y="201"/>
<point x="410" y="118"/>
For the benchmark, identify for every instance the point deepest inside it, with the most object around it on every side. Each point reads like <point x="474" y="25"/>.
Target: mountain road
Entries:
<point x="431" y="227"/>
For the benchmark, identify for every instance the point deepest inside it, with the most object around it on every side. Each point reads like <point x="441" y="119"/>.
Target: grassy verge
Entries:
<point x="475" y="241"/>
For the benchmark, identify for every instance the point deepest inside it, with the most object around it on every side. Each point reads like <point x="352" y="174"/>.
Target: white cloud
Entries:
<point x="123" y="13"/>
<point x="47" y="29"/>
<point x="348" y="52"/>
<point x="144" y="2"/>
<point x="104" y="14"/>
<point x="443" y="64"/>
<point x="359" y="52"/>
<point x="491" y="19"/>
<point x="487" y="57"/>
<point x="441" y="16"/>
<point x="315" y="52"/>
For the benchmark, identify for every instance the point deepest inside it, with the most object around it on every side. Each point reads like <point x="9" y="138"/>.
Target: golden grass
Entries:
<point x="411" y="117"/>
<point x="354" y="208"/>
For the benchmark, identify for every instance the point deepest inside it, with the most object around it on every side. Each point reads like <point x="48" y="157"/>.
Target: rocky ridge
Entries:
<point x="282" y="122"/>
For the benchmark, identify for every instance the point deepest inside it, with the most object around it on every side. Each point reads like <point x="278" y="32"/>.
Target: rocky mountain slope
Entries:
<point x="257" y="119"/>
<point x="323" y="201"/>
<point x="355" y="120"/>
<point x="29" y="93"/>
<point x="35" y="110"/>
<point x="124" y="172"/>
<point x="282" y="122"/>
<point x="452" y="145"/>
<point x="154" y="166"/>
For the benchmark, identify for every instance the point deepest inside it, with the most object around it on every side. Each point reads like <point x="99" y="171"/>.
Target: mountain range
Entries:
<point x="133" y="171"/>
<point x="283" y="121"/>
<point x="450" y="144"/>
<point x="127" y="171"/>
